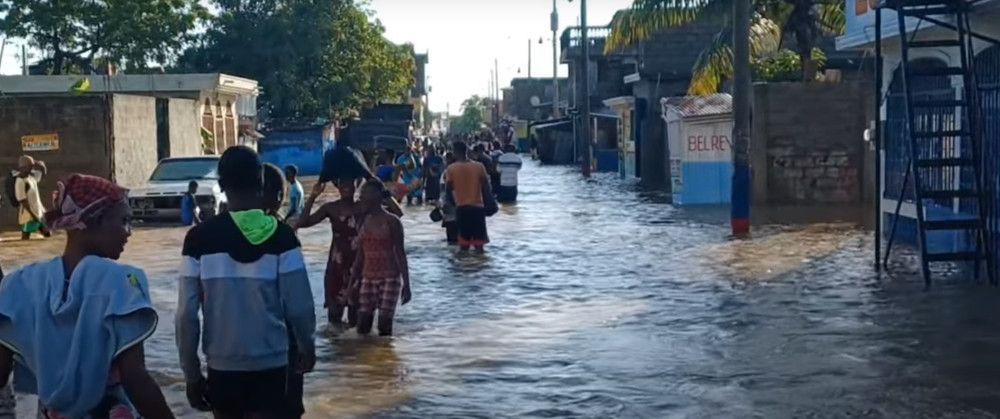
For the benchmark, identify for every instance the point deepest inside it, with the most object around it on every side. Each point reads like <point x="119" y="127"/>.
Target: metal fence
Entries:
<point x="988" y="79"/>
<point x="897" y="144"/>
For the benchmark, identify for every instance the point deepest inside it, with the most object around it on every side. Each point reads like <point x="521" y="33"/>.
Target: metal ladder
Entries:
<point x="923" y="167"/>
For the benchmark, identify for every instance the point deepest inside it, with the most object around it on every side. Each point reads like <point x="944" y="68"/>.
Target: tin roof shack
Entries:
<point x="698" y="133"/>
<point x="109" y="136"/>
<point x="201" y="113"/>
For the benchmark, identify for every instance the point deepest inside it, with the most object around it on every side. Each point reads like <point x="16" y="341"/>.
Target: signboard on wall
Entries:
<point x="42" y="142"/>
<point x="708" y="142"/>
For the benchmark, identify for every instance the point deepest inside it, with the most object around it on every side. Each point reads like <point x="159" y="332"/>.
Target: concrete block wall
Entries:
<point x="82" y="126"/>
<point x="184" y="119"/>
<point x="134" y="141"/>
<point x="808" y="147"/>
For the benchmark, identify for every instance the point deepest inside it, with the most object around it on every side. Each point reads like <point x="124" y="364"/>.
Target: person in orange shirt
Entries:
<point x="467" y="181"/>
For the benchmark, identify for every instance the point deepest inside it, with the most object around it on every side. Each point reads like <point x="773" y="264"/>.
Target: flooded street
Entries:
<point x="597" y="300"/>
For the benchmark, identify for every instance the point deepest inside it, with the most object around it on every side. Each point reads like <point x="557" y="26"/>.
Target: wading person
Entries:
<point x="29" y="198"/>
<point x="508" y="164"/>
<point x="296" y="194"/>
<point x="343" y="248"/>
<point x="468" y="182"/>
<point x="189" y="205"/>
<point x="381" y="272"/>
<point x="433" y="168"/>
<point x="272" y="198"/>
<point x="448" y="222"/>
<point x="410" y="176"/>
<point x="78" y="322"/>
<point x="246" y="275"/>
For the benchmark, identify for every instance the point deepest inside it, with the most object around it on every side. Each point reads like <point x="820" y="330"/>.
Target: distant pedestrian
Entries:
<point x="481" y="155"/>
<point x="86" y="357"/>
<point x="273" y="195"/>
<point x="468" y="181"/>
<point x="243" y="288"/>
<point x="509" y="164"/>
<point x="190" y="213"/>
<point x="411" y="173"/>
<point x="433" y="169"/>
<point x="296" y="195"/>
<point x="381" y="272"/>
<point x="29" y="197"/>
<point x="448" y="221"/>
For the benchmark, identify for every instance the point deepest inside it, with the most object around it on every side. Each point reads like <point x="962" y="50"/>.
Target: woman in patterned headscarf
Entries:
<point x="98" y="309"/>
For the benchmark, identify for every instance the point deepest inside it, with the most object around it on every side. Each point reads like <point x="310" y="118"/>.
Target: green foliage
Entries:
<point x="776" y="21"/>
<point x="313" y="58"/>
<point x="473" y="115"/>
<point x="133" y="34"/>
<point x="785" y="65"/>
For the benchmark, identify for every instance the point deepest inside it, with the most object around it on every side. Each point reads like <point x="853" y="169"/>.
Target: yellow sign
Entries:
<point x="521" y="129"/>
<point x="43" y="142"/>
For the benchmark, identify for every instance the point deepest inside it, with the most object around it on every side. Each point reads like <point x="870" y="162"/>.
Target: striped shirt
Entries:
<point x="246" y="294"/>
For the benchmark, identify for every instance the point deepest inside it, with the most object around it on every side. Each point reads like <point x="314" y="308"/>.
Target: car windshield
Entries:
<point x="189" y="169"/>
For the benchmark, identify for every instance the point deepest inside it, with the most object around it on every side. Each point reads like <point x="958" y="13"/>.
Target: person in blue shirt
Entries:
<point x="296" y="203"/>
<point x="189" y="206"/>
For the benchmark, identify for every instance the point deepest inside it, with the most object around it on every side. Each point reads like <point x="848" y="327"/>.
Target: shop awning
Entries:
<point x="551" y="125"/>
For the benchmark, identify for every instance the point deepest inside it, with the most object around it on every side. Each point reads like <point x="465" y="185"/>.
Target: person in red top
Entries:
<point x="468" y="182"/>
<point x="381" y="270"/>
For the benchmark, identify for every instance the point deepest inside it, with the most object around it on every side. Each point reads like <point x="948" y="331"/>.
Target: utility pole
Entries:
<point x="496" y="96"/>
<point x="24" y="60"/>
<point x="742" y="108"/>
<point x="529" y="58"/>
<point x="585" y="75"/>
<point x="555" y="60"/>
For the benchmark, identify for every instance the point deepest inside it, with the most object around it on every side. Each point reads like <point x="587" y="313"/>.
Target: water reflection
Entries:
<point x="599" y="300"/>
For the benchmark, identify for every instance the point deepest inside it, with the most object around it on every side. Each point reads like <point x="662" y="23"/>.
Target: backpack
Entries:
<point x="9" y="191"/>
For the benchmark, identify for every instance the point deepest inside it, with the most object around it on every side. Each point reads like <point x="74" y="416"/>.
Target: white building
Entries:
<point x="227" y="105"/>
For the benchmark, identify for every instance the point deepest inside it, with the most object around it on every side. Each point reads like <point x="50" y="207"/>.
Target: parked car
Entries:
<point x="160" y="198"/>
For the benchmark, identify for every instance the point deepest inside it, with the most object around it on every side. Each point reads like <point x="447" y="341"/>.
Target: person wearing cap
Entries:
<point x="30" y="210"/>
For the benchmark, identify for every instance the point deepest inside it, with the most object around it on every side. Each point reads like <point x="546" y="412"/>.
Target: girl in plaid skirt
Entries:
<point x="381" y="272"/>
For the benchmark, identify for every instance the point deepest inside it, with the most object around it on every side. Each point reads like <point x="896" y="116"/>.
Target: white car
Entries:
<point x="160" y="198"/>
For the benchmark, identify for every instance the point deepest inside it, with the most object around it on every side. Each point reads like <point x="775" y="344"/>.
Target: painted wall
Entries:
<point x="184" y="120"/>
<point x="80" y="123"/>
<point x="134" y="131"/>
<point x="701" y="168"/>
<point x="303" y="148"/>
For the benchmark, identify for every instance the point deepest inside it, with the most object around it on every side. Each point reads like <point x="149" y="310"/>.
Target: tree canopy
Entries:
<point x="313" y="58"/>
<point x="75" y="35"/>
<point x="473" y="116"/>
<point x="775" y="22"/>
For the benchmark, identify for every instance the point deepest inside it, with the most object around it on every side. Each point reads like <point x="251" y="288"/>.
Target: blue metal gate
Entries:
<point x="988" y="79"/>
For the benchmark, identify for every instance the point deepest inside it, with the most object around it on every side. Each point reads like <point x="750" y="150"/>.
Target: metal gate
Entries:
<point x="988" y="78"/>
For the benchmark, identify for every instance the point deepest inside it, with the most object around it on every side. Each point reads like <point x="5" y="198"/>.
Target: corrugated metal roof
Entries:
<point x="717" y="104"/>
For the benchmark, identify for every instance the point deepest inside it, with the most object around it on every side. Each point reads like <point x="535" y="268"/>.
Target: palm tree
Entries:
<point x="775" y="22"/>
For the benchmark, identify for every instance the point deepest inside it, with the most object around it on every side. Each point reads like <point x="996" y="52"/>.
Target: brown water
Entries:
<point x="597" y="300"/>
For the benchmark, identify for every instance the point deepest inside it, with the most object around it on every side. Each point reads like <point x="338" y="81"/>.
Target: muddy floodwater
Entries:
<point x="598" y="300"/>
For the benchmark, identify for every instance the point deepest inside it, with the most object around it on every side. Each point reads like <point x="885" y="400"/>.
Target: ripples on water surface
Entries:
<point x="599" y="301"/>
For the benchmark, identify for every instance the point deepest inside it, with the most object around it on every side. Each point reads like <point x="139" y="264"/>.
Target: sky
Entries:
<point x="463" y="37"/>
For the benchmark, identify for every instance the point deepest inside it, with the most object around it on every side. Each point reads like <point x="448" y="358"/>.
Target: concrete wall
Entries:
<point x="134" y="139"/>
<point x="808" y="149"/>
<point x="184" y="120"/>
<point x="81" y="124"/>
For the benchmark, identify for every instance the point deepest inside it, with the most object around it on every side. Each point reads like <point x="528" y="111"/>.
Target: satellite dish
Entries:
<point x="535" y="101"/>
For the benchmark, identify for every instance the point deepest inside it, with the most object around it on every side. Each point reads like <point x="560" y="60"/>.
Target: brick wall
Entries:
<point x="184" y="119"/>
<point x="134" y="128"/>
<point x="81" y="125"/>
<point x="807" y="147"/>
